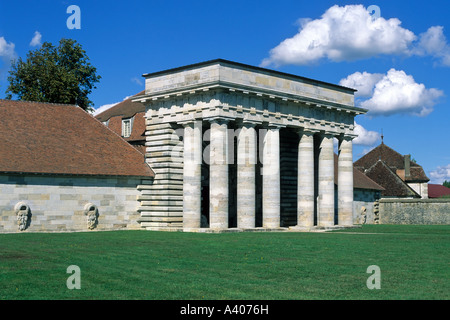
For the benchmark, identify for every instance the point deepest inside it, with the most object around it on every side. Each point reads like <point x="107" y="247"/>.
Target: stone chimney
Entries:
<point x="407" y="166"/>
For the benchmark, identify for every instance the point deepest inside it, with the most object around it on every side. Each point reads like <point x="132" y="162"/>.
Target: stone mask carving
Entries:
<point x="91" y="211"/>
<point x="23" y="213"/>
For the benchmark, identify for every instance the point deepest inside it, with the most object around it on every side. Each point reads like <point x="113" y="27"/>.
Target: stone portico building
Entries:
<point x="238" y="146"/>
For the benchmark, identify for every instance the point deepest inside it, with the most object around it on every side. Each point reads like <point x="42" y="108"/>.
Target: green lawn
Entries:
<point x="413" y="260"/>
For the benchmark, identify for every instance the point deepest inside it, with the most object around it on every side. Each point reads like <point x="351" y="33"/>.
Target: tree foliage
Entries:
<point x="446" y="184"/>
<point x="55" y="74"/>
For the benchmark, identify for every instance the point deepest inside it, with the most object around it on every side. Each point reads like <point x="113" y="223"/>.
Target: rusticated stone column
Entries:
<point x="246" y="188"/>
<point x="305" y="184"/>
<point x="345" y="181"/>
<point x="218" y="184"/>
<point x="326" y="182"/>
<point x="192" y="174"/>
<point x="271" y="178"/>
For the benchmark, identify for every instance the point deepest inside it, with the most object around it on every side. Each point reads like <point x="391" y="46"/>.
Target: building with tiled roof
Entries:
<point x="126" y="118"/>
<point x="63" y="170"/>
<point x="438" y="191"/>
<point x="400" y="176"/>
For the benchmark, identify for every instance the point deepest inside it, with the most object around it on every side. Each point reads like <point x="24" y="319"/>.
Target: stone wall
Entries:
<point x="414" y="211"/>
<point x="67" y="203"/>
<point x="364" y="202"/>
<point x="161" y="199"/>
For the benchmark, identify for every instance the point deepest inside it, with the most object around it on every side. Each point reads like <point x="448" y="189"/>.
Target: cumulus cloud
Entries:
<point x="363" y="82"/>
<point x="441" y="174"/>
<point x="342" y="34"/>
<point x="36" y="41"/>
<point x="392" y="93"/>
<point x="365" y="137"/>
<point x="433" y="43"/>
<point x="351" y="33"/>
<point x="398" y="92"/>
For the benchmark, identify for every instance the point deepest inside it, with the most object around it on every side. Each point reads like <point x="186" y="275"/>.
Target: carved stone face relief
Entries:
<point x="23" y="213"/>
<point x="91" y="211"/>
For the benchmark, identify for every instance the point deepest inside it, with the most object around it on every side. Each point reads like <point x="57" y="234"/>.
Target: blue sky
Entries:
<point x="399" y="58"/>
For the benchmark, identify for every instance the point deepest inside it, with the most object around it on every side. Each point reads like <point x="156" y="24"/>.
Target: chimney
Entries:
<point x="407" y="167"/>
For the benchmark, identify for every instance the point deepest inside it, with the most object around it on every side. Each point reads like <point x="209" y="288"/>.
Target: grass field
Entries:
<point x="413" y="260"/>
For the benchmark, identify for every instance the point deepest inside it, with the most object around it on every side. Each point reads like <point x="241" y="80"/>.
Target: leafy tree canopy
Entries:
<point x="55" y="74"/>
<point x="446" y="184"/>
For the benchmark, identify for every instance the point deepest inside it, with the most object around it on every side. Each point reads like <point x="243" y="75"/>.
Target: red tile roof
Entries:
<point x="63" y="139"/>
<point x="437" y="190"/>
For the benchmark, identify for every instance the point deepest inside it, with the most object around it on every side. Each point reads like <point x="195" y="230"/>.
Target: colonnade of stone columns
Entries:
<point x="323" y="207"/>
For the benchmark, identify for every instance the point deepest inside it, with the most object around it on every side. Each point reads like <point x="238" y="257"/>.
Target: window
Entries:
<point x="126" y="127"/>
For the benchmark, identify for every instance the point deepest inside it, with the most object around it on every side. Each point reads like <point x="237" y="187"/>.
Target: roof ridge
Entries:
<point x="115" y="106"/>
<point x="41" y="102"/>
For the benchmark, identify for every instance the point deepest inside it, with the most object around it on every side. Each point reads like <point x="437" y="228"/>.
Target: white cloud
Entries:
<point x="36" y="41"/>
<point x="7" y="52"/>
<point x="398" y="92"/>
<point x="365" y="137"/>
<point x="363" y="82"/>
<point x="342" y="34"/>
<point x="441" y="174"/>
<point x="107" y="106"/>
<point x="433" y="43"/>
<point x="391" y="93"/>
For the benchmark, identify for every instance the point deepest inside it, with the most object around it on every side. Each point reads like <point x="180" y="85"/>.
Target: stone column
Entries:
<point x="246" y="166"/>
<point x="325" y="212"/>
<point x="345" y="181"/>
<point x="192" y="174"/>
<point x="305" y="179"/>
<point x="218" y="184"/>
<point x="271" y="178"/>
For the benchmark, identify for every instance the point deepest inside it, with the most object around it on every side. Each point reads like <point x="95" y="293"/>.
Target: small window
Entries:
<point x="126" y="127"/>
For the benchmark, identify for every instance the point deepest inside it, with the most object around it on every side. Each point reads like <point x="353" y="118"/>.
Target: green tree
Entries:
<point x="55" y="74"/>
<point x="446" y="184"/>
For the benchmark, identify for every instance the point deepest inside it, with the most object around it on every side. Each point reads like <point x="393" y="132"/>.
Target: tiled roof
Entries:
<point x="437" y="190"/>
<point x="138" y="130"/>
<point x="391" y="182"/>
<point x="394" y="160"/>
<point x="125" y="109"/>
<point x="63" y="139"/>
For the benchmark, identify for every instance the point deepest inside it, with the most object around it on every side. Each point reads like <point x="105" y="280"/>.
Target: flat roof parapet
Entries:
<point x="228" y="75"/>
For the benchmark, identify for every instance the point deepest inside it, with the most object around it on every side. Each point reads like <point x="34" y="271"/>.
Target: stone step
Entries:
<point x="159" y="203"/>
<point x="146" y="208"/>
<point x="161" y="214"/>
<point x="161" y="192"/>
<point x="160" y="219"/>
<point x="160" y="197"/>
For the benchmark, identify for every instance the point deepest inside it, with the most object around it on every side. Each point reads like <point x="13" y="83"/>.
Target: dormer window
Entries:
<point x="126" y="127"/>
